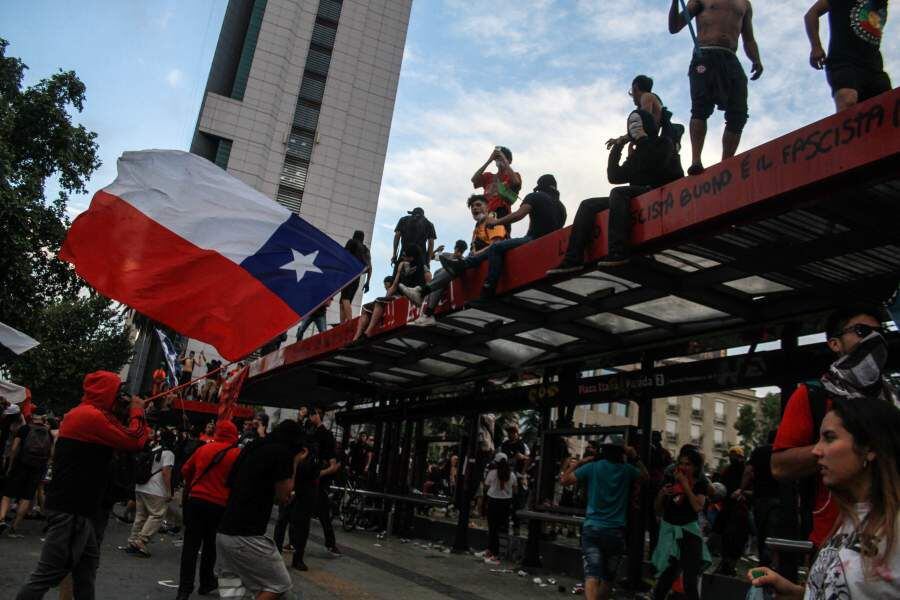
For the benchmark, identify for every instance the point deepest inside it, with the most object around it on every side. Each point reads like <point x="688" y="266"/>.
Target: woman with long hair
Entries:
<point x="680" y="548"/>
<point x="501" y="484"/>
<point x="858" y="455"/>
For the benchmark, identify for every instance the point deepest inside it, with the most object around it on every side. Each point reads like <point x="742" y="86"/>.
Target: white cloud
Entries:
<point x="174" y="77"/>
<point x="509" y="28"/>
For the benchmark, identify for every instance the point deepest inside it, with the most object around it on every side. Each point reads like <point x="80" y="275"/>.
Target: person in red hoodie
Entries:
<point x="205" y="474"/>
<point x="88" y="436"/>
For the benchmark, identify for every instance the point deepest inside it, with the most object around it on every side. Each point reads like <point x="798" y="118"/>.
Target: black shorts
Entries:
<point x="718" y="80"/>
<point x="350" y="291"/>
<point x="868" y="83"/>
<point x="184" y="377"/>
<point x="23" y="481"/>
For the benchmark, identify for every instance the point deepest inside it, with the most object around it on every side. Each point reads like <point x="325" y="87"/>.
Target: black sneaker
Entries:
<point x="566" y="266"/>
<point x="4" y="527"/>
<point x="334" y="552"/>
<point x="615" y="259"/>
<point x="299" y="565"/>
<point x="695" y="169"/>
<point x="488" y="291"/>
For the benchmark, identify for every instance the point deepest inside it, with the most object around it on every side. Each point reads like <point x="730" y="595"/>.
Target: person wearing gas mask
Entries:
<point x="651" y="162"/>
<point x="855" y="335"/>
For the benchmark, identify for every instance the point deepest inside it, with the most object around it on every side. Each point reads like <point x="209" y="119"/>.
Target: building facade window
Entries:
<point x="309" y="103"/>
<point x="696" y="438"/>
<point x="223" y="153"/>
<point x="719" y="438"/>
<point x="621" y="409"/>
<point x="720" y="412"/>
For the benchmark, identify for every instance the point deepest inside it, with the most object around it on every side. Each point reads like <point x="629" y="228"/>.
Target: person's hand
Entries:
<point x="490" y="221"/>
<point x="784" y="589"/>
<point x="137" y="402"/>
<point x="756" y="71"/>
<point x="817" y="58"/>
<point x="439" y="249"/>
<point x="681" y="478"/>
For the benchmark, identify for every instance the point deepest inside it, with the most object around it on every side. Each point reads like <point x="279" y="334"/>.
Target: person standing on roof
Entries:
<point x="854" y="66"/>
<point x="415" y="230"/>
<point x="651" y="163"/>
<point x="716" y="75"/>
<point x="357" y="247"/>
<point x="206" y="495"/>
<point x="501" y="189"/>
<point x="88" y="436"/>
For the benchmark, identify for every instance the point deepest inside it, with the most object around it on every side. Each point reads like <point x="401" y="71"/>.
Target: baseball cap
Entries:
<point x="416" y="211"/>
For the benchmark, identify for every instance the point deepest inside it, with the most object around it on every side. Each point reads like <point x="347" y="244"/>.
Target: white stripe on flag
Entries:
<point x="12" y="392"/>
<point x="198" y="201"/>
<point x="15" y="340"/>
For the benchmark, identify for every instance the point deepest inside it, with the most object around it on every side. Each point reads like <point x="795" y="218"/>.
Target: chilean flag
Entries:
<point x="180" y="240"/>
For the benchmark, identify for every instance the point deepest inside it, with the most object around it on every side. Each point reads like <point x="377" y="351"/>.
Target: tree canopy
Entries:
<point x="79" y="330"/>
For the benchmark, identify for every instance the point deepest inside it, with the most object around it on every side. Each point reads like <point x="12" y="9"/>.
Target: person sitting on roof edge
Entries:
<point x="546" y="214"/>
<point x="652" y="163"/>
<point x="482" y="238"/>
<point x="501" y="189"/>
<point x="410" y="272"/>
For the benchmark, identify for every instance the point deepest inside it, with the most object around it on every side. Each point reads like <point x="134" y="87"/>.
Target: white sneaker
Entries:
<point x="424" y="321"/>
<point x="413" y="293"/>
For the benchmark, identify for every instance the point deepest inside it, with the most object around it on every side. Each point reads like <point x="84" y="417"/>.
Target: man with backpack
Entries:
<point x="415" y="230"/>
<point x="88" y="436"/>
<point x="652" y="162"/>
<point x="205" y="494"/>
<point x="29" y="457"/>
<point x="855" y="335"/>
<point x="152" y="492"/>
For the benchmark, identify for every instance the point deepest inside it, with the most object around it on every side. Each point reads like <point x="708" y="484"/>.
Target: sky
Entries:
<point x="547" y="79"/>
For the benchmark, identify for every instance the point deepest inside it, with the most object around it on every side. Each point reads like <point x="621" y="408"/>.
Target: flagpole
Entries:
<point x="184" y="385"/>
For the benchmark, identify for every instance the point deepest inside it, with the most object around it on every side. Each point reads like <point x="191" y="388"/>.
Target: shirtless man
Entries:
<point x="716" y="75"/>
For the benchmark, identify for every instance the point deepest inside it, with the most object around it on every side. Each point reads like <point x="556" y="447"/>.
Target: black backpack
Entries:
<point x="415" y="230"/>
<point x="38" y="446"/>
<point x="122" y="472"/>
<point x="670" y="130"/>
<point x="143" y="464"/>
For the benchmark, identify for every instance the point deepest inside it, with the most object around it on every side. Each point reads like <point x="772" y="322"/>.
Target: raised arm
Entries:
<point x="512" y="217"/>
<point x="677" y="19"/>
<point x="750" y="46"/>
<point x="811" y="21"/>
<point x="476" y="178"/>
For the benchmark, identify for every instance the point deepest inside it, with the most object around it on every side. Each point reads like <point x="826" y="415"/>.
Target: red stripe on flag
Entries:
<point x="133" y="259"/>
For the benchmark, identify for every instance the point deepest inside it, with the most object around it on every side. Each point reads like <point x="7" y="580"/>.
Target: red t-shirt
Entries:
<point x="795" y="431"/>
<point x="493" y="197"/>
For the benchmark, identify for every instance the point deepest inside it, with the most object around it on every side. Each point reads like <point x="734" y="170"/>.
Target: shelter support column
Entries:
<point x="465" y="482"/>
<point x="532" y="556"/>
<point x="638" y="526"/>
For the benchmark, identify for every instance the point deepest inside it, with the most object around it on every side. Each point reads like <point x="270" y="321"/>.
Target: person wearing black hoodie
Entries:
<point x="652" y="162"/>
<point x="88" y="436"/>
<point x="546" y="214"/>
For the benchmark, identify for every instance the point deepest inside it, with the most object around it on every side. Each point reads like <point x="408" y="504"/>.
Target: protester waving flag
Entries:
<point x="230" y="391"/>
<point x="185" y="243"/>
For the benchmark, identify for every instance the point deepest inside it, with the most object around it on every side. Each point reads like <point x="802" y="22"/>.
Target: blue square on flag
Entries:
<point x="302" y="265"/>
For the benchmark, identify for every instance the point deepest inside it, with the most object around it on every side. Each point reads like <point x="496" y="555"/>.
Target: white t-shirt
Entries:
<point x="493" y="486"/>
<point x="156" y="486"/>
<point x="838" y="570"/>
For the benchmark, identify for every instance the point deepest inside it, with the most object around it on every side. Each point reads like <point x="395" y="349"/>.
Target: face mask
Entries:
<point x="859" y="374"/>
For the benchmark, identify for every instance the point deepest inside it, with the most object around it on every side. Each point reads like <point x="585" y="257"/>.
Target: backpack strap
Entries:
<point x="216" y="459"/>
<point x="818" y="404"/>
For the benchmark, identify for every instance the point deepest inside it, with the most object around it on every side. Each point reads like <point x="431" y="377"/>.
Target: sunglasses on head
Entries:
<point x="861" y="330"/>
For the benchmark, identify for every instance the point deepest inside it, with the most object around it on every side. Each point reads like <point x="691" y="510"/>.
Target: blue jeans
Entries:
<point x="305" y="323"/>
<point x="494" y="256"/>
<point x="599" y="546"/>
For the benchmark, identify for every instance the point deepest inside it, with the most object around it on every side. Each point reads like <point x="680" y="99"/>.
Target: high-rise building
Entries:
<point x="299" y="103"/>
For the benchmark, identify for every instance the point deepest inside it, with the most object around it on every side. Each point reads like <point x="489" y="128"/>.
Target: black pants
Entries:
<point x="281" y="524"/>
<point x="619" y="206"/>
<point x="312" y="502"/>
<point x="71" y="545"/>
<point x="201" y="520"/>
<point x="498" y="522"/>
<point x="689" y="566"/>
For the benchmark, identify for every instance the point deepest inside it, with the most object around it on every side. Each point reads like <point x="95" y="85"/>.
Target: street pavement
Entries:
<point x="371" y="569"/>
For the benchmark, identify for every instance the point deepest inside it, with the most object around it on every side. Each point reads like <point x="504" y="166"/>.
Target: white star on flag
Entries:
<point x="302" y="264"/>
